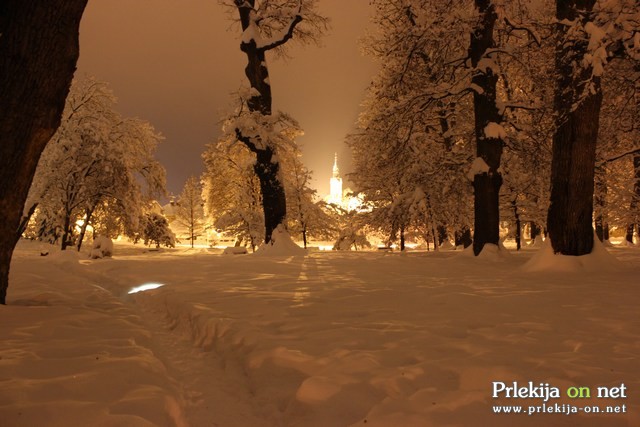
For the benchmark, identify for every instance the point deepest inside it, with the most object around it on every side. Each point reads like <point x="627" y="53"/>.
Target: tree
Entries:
<point x="231" y="192"/>
<point x="38" y="55"/>
<point x="156" y="230"/>
<point x="587" y="32"/>
<point x="307" y="216"/>
<point x="267" y="25"/>
<point x="430" y="72"/>
<point x="488" y="130"/>
<point x="189" y="210"/>
<point x="97" y="158"/>
<point x="617" y="152"/>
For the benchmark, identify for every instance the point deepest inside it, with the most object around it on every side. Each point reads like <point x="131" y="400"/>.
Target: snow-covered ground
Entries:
<point x="326" y="339"/>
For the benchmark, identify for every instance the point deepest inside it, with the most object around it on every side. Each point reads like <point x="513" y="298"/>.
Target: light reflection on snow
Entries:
<point x="300" y="295"/>
<point x="145" y="287"/>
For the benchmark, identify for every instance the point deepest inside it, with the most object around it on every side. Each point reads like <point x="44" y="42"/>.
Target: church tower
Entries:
<point x="335" y="184"/>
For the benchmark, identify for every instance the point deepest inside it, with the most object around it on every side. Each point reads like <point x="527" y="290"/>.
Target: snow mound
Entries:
<point x="234" y="250"/>
<point x="493" y="252"/>
<point x="490" y="252"/>
<point x="447" y="246"/>
<point x="281" y="245"/>
<point x="102" y="247"/>
<point x="68" y="256"/>
<point x="536" y="243"/>
<point x="598" y="260"/>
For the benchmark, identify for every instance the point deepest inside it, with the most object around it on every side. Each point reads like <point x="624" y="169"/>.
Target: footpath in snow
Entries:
<point x="326" y="339"/>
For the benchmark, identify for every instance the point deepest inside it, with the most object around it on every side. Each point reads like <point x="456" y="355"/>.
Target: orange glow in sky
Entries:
<point x="176" y="65"/>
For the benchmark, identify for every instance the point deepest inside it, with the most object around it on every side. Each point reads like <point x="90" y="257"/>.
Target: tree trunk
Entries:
<point x="463" y="238"/>
<point x="514" y="205"/>
<point x="193" y="226"/>
<point x="577" y="107"/>
<point x="442" y="234"/>
<point x="38" y="54"/>
<point x="24" y="221"/>
<point x="486" y="185"/>
<point x="535" y="230"/>
<point x="304" y="235"/>
<point x="629" y="236"/>
<point x="435" y="242"/>
<point x="267" y="166"/>
<point x="85" y="224"/>
<point x="402" y="242"/>
<point x="600" y="207"/>
<point x="67" y="232"/>
<point x="274" y="201"/>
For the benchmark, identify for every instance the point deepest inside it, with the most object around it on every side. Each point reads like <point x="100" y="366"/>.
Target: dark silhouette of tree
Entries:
<point x="38" y="54"/>
<point x="582" y="49"/>
<point x="268" y="25"/>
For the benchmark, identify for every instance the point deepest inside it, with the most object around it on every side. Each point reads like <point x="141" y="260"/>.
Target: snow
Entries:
<point x="233" y="250"/>
<point x="598" y="260"/>
<point x="478" y="167"/>
<point x="328" y="339"/>
<point x="281" y="245"/>
<point x="102" y="247"/>
<point x="495" y="131"/>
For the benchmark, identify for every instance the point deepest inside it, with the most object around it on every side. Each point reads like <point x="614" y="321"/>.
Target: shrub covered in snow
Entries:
<point x="234" y="250"/>
<point x="350" y="238"/>
<point x="102" y="247"/>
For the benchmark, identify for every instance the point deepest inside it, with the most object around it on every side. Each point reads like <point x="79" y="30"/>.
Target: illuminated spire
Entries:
<point x="335" y="196"/>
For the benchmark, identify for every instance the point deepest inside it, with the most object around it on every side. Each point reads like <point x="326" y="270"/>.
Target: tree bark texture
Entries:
<point x="569" y="221"/>
<point x="601" y="217"/>
<point x="487" y="185"/>
<point x="38" y="54"/>
<point x="267" y="166"/>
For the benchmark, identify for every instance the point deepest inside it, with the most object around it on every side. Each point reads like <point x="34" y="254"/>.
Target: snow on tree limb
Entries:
<point x="478" y="167"/>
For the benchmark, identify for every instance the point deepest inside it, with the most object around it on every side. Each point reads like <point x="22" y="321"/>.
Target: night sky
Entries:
<point x="176" y="64"/>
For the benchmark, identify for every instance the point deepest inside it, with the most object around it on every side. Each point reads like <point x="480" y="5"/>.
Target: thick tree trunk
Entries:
<point x="38" y="55"/>
<point x="267" y="165"/>
<point x="402" y="241"/>
<point x="577" y="106"/>
<point x="486" y="185"/>
<point x="274" y="201"/>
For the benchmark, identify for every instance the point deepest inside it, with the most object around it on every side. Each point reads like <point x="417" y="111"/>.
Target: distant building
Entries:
<point x="335" y="185"/>
<point x="337" y="194"/>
